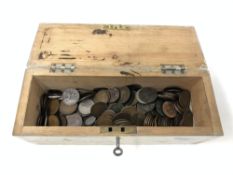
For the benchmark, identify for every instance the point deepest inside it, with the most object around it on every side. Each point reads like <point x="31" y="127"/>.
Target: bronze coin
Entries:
<point x="53" y="106"/>
<point x="139" y="117"/>
<point x="105" y="119"/>
<point x="146" y="95"/>
<point x="122" y="118"/>
<point x="114" y="94"/>
<point x="145" y="107"/>
<point x="178" y="108"/>
<point x="132" y="111"/>
<point x="67" y="109"/>
<point x="53" y="120"/>
<point x="102" y="96"/>
<point x="116" y="107"/>
<point x="124" y="94"/>
<point x="184" y="99"/>
<point x="98" y="108"/>
<point x="169" y="109"/>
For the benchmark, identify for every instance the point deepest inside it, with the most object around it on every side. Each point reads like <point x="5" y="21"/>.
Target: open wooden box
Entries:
<point x="88" y="56"/>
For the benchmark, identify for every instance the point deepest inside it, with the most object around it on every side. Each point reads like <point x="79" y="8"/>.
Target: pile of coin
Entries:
<point x="131" y="105"/>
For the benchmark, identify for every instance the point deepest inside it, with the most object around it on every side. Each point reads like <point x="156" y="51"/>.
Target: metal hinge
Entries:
<point x="173" y="68"/>
<point x="116" y="27"/>
<point x="66" y="68"/>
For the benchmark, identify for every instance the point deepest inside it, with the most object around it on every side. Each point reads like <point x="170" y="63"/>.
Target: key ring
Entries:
<point x="118" y="151"/>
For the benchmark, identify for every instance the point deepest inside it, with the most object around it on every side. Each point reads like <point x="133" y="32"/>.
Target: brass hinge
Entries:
<point x="173" y="68"/>
<point x="65" y="68"/>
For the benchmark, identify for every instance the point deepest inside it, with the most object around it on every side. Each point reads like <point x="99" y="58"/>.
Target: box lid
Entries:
<point x="116" y="45"/>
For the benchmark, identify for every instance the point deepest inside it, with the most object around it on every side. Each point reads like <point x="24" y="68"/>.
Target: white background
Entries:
<point x="19" y="21"/>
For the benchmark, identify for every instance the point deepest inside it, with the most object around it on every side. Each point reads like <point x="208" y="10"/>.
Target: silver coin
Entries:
<point x="67" y="109"/>
<point x="85" y="107"/>
<point x="114" y="94"/>
<point x="146" y="95"/>
<point x="70" y="96"/>
<point x="74" y="120"/>
<point x="90" y="121"/>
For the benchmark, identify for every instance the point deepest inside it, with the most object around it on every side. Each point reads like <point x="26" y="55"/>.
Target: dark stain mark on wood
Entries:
<point x="114" y="57"/>
<point x="125" y="63"/>
<point x="99" y="32"/>
<point x="88" y="51"/>
<point x="67" y="58"/>
<point x="49" y="39"/>
<point x="44" y="54"/>
<point x="135" y="72"/>
<point x="45" y="34"/>
<point x="127" y="73"/>
<point x="65" y="54"/>
<point x="88" y="56"/>
<point x="65" y="50"/>
<point x="110" y="34"/>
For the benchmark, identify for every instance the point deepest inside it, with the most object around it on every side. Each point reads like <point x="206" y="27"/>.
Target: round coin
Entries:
<point x="146" y="95"/>
<point x="85" y="107"/>
<point x="114" y="94"/>
<point x="145" y="107"/>
<point x="98" y="108"/>
<point x="105" y="119"/>
<point x="53" y="106"/>
<point x="54" y="93"/>
<point x="124" y="94"/>
<point x="70" y="96"/>
<point x="102" y="96"/>
<point x="67" y="109"/>
<point x="53" y="120"/>
<point x="63" y="120"/>
<point x="169" y="109"/>
<point x="116" y="107"/>
<point x="90" y="120"/>
<point x="74" y="120"/>
<point x="184" y="99"/>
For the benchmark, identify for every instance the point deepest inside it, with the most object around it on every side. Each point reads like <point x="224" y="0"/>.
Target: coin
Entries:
<point x="74" y="120"/>
<point x="105" y="119"/>
<point x="169" y="109"/>
<point x="114" y="94"/>
<point x="98" y="108"/>
<point x="54" y="93"/>
<point x="184" y="99"/>
<point x="90" y="120"/>
<point x="158" y="106"/>
<point x="67" y="109"/>
<point x="122" y="119"/>
<point x="85" y="107"/>
<point x="70" y="96"/>
<point x="187" y="118"/>
<point x="168" y="96"/>
<point x="131" y="110"/>
<point x="53" y="106"/>
<point x="124" y="94"/>
<point x="139" y="117"/>
<point x="146" y="95"/>
<point x="145" y="107"/>
<point x="173" y="89"/>
<point x="102" y="96"/>
<point x="134" y="87"/>
<point x="53" y="120"/>
<point x="116" y="107"/>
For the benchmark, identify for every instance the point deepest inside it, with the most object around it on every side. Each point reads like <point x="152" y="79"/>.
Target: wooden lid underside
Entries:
<point x="134" y="46"/>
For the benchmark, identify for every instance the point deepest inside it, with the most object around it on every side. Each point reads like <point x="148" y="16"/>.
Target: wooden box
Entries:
<point x="88" y="56"/>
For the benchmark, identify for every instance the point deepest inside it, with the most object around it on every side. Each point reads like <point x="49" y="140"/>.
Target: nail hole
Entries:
<point x="122" y="129"/>
<point x="110" y="129"/>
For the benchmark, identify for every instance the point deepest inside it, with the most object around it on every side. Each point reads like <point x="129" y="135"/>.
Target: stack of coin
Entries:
<point x="121" y="106"/>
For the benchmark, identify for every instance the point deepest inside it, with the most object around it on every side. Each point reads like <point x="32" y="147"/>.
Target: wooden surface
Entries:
<point x="138" y="46"/>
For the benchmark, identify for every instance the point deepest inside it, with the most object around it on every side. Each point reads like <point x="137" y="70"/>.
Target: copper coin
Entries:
<point x="139" y="117"/>
<point x="145" y="107"/>
<point x="114" y="94"/>
<point x="67" y="109"/>
<point x="90" y="120"/>
<point x="74" y="120"/>
<point x="102" y="96"/>
<point x="98" y="108"/>
<point x="53" y="106"/>
<point x="124" y="94"/>
<point x="105" y="119"/>
<point x="53" y="120"/>
<point x="169" y="109"/>
<point x="70" y="96"/>
<point x="132" y="111"/>
<point x="122" y="118"/>
<point x="85" y="107"/>
<point x="146" y="95"/>
<point x="184" y="99"/>
<point x="116" y="107"/>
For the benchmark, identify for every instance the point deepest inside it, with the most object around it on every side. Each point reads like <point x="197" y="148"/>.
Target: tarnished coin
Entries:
<point x="67" y="109"/>
<point x="173" y="89"/>
<point x="134" y="87"/>
<point x="132" y="100"/>
<point x="53" y="120"/>
<point x="90" y="120"/>
<point x="70" y="96"/>
<point x="85" y="107"/>
<point x="114" y="94"/>
<point x="53" y="106"/>
<point x="116" y="107"/>
<point x="132" y="111"/>
<point x="149" y="120"/>
<point x="74" y="120"/>
<point x="158" y="106"/>
<point x="54" y="93"/>
<point x="105" y="119"/>
<point x="169" y="109"/>
<point x="145" y="107"/>
<point x="146" y="95"/>
<point x="184" y="99"/>
<point x="124" y="94"/>
<point x="168" y="96"/>
<point x="139" y="117"/>
<point x="98" y="108"/>
<point x="63" y="120"/>
<point x="187" y="118"/>
<point x="102" y="96"/>
<point x="122" y="119"/>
